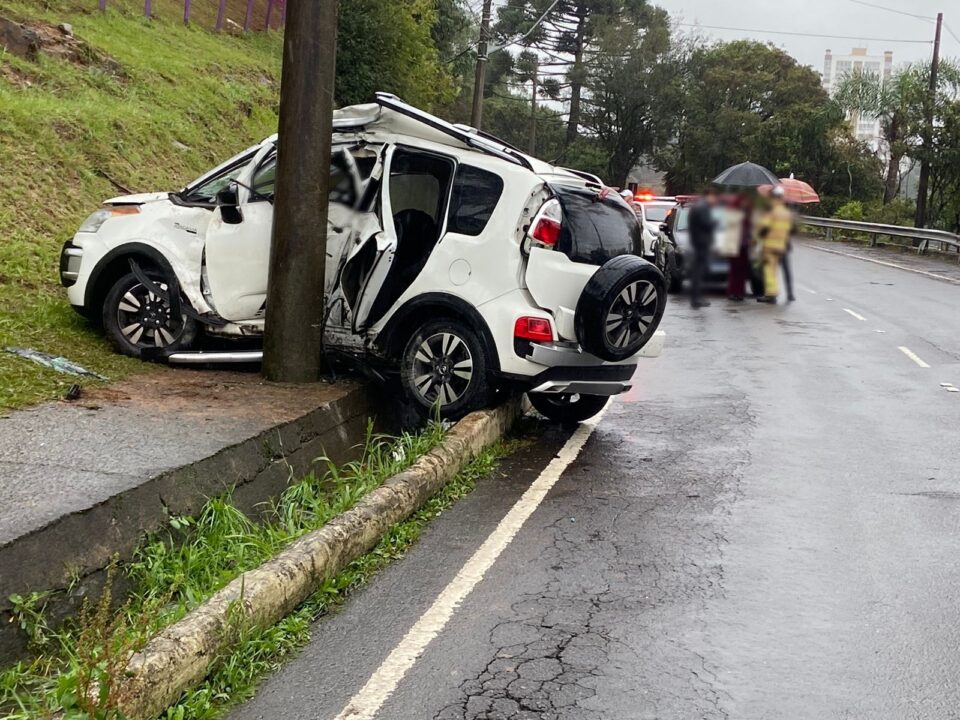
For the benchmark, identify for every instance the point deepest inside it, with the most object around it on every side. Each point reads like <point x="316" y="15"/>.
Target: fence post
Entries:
<point x="221" y="11"/>
<point x="249" y="16"/>
<point x="269" y="12"/>
<point x="186" y="12"/>
<point x="148" y="8"/>
<point x="103" y="5"/>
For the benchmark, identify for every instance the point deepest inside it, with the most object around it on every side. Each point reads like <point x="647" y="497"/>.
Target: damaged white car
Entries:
<point x="454" y="262"/>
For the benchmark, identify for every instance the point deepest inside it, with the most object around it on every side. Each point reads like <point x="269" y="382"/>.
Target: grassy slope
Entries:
<point x="190" y="98"/>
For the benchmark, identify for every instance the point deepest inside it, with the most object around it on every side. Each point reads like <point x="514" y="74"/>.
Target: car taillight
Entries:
<point x="533" y="328"/>
<point x="547" y="231"/>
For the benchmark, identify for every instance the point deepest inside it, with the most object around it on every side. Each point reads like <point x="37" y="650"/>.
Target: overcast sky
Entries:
<point x="825" y="17"/>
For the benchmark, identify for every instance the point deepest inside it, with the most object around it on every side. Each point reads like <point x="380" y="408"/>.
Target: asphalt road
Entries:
<point x="765" y="527"/>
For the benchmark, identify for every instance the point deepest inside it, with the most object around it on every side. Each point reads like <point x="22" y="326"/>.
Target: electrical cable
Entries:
<point x="889" y="9"/>
<point x="803" y="34"/>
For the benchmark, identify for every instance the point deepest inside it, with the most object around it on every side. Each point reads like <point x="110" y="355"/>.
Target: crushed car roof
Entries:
<point x="391" y="115"/>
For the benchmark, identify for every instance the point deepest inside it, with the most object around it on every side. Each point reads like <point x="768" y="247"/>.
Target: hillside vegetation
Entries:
<point x="142" y="104"/>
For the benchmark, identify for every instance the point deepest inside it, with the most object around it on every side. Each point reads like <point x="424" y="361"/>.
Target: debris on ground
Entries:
<point x="57" y="362"/>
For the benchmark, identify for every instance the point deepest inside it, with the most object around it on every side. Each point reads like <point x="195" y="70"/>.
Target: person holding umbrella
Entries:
<point x="745" y="178"/>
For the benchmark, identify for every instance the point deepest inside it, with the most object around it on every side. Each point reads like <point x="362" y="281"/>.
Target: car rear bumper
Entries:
<point x="570" y="370"/>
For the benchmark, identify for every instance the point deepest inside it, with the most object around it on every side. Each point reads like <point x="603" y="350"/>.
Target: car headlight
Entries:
<point x="96" y="219"/>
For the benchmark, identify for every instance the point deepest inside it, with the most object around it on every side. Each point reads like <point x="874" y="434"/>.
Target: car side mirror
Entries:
<point x="229" y="204"/>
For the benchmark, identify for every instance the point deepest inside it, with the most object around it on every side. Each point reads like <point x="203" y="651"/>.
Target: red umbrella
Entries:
<point x="795" y="191"/>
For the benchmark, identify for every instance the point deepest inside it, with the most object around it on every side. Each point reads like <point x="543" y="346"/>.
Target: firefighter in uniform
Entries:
<point x="774" y="233"/>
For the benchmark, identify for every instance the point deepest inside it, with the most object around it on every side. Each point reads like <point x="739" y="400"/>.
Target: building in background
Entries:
<point x="835" y="67"/>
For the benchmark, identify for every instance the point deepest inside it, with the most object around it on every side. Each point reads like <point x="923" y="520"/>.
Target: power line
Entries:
<point x="950" y="30"/>
<point x="889" y="9"/>
<point x="804" y="34"/>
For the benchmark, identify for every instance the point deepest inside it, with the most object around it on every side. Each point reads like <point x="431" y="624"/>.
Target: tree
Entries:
<point x="632" y="93"/>
<point x="898" y="103"/>
<point x="563" y="40"/>
<point x="390" y="46"/>
<point x="748" y="101"/>
<point x="945" y="169"/>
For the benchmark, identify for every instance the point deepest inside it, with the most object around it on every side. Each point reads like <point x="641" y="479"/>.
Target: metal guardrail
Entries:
<point x="921" y="237"/>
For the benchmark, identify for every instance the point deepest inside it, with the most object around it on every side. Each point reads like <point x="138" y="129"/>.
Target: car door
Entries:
<point x="237" y="251"/>
<point x="372" y="252"/>
<point x="237" y="243"/>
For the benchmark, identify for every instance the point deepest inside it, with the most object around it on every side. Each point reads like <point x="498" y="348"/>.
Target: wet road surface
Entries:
<point x="765" y="527"/>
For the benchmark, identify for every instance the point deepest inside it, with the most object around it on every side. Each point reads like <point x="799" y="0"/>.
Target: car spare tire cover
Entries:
<point x="620" y="308"/>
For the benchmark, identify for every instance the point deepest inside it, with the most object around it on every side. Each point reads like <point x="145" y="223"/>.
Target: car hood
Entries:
<point x="136" y="198"/>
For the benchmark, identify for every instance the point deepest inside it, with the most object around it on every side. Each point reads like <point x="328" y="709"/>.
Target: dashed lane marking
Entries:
<point x="913" y="356"/>
<point x="857" y="315"/>
<point x="371" y="697"/>
<point x="807" y="289"/>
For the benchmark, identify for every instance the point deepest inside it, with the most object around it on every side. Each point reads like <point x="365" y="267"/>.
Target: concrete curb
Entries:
<point x="69" y="555"/>
<point x="179" y="658"/>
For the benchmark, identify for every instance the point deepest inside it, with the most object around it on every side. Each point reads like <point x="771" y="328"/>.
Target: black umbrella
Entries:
<point x="746" y="174"/>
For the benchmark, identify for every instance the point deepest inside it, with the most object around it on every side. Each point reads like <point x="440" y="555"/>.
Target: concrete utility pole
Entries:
<point x="293" y="346"/>
<point x="921" y="218"/>
<point x="476" y="117"/>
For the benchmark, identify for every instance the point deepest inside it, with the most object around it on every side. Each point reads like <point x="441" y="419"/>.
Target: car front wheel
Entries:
<point x="567" y="408"/>
<point x="138" y="322"/>
<point x="445" y="369"/>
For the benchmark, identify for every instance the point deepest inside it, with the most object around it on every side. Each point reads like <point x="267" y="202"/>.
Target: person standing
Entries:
<point x="740" y="263"/>
<point x="703" y="225"/>
<point x="774" y="233"/>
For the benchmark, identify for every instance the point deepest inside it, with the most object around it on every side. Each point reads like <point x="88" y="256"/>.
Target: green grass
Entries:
<point x="175" y="571"/>
<point x="185" y="99"/>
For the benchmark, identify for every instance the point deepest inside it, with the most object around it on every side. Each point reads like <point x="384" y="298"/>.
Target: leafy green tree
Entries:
<point x="945" y="169"/>
<point x="899" y="104"/>
<point x="391" y="46"/>
<point x="750" y="101"/>
<point x="564" y="40"/>
<point x="631" y="96"/>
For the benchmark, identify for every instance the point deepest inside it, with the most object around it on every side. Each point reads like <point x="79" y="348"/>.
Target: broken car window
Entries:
<point x="475" y="196"/>
<point x="207" y="193"/>
<point x="265" y="178"/>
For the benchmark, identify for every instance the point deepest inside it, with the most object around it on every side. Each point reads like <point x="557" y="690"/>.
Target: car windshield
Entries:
<point x="656" y="213"/>
<point x="682" y="219"/>
<point x="207" y="186"/>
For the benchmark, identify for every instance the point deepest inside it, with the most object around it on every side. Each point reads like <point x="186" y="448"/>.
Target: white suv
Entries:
<point x="454" y="262"/>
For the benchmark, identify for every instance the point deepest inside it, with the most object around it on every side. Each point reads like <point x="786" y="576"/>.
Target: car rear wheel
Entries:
<point x="620" y="308"/>
<point x="138" y="322"/>
<point x="567" y="408"/>
<point x="445" y="369"/>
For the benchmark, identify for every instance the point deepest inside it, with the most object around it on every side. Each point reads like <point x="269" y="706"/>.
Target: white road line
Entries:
<point x="857" y="315"/>
<point x="913" y="356"/>
<point x="935" y="276"/>
<point x="809" y="290"/>
<point x="371" y="697"/>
